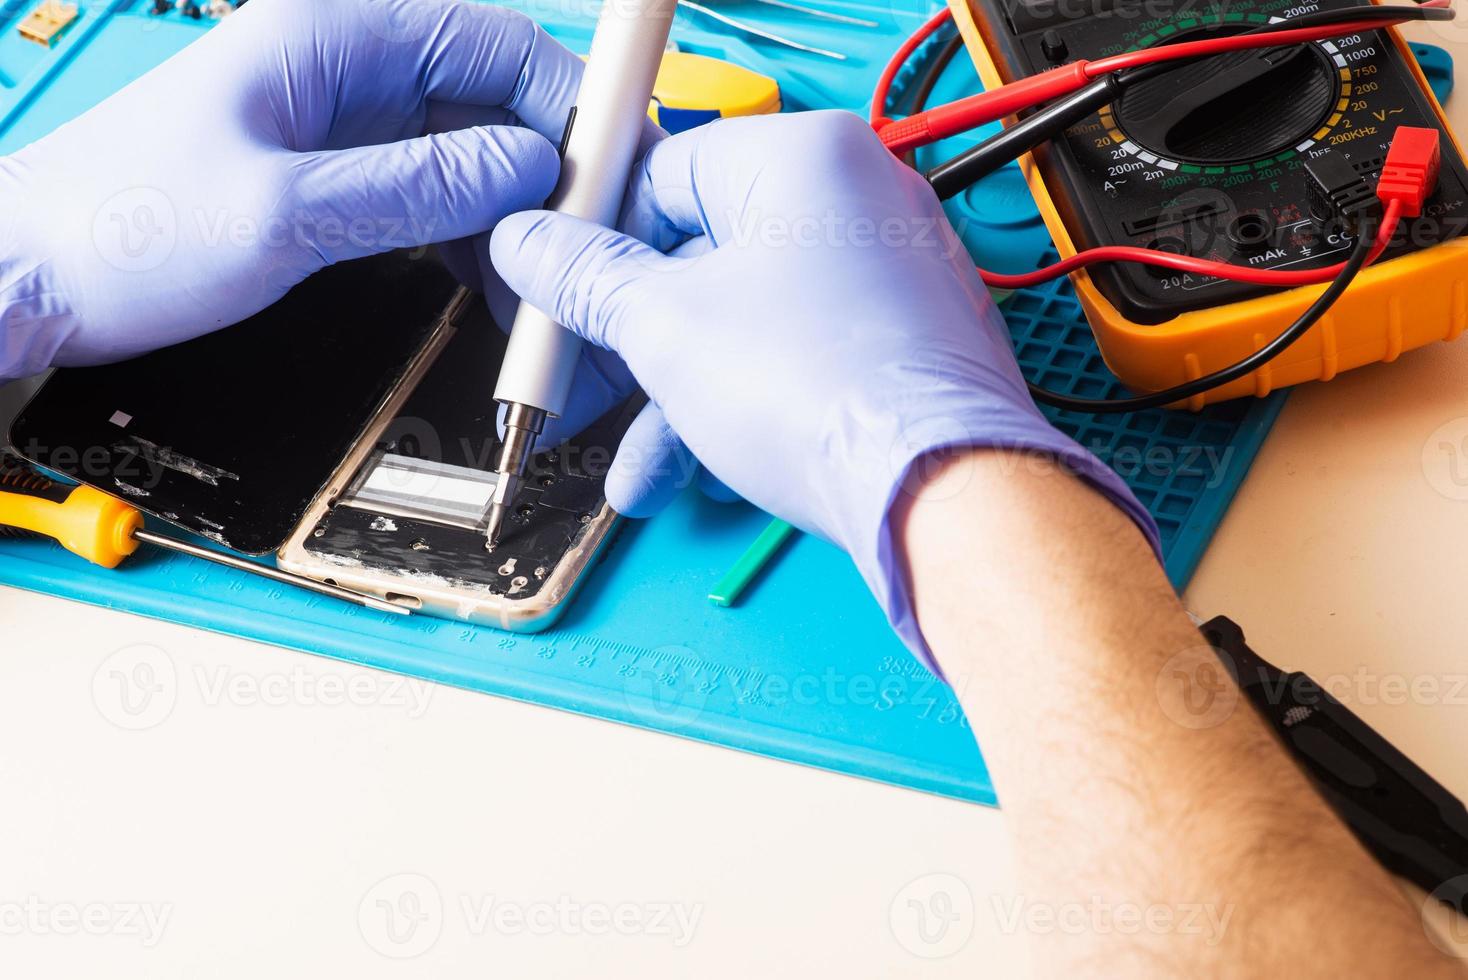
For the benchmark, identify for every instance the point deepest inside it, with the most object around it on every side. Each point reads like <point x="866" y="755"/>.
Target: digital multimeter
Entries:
<point x="1209" y="160"/>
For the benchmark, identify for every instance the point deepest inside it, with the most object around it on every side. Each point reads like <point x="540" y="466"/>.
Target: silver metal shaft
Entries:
<point x="274" y="574"/>
<point x="523" y="424"/>
<point x="747" y="28"/>
<point x="818" y="13"/>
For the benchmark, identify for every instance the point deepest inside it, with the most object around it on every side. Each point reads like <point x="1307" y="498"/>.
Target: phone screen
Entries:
<point x="232" y="434"/>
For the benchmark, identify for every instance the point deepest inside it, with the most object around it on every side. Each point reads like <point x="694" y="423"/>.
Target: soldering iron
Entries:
<point x="597" y="155"/>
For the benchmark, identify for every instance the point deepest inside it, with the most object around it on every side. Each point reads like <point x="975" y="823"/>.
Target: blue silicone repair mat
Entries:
<point x="804" y="668"/>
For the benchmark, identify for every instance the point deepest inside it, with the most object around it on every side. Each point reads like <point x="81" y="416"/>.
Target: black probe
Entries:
<point x="972" y="165"/>
<point x="952" y="176"/>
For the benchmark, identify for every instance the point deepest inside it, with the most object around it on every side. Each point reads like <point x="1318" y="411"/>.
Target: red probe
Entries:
<point x="941" y="122"/>
<point x="1407" y="179"/>
<point x="956" y="117"/>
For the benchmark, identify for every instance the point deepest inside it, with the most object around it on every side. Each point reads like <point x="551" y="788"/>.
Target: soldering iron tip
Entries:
<point x="493" y="524"/>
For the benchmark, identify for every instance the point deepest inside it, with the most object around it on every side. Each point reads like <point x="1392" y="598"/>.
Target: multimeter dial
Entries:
<point x="1208" y="157"/>
<point x="1255" y="108"/>
<point x="1235" y="108"/>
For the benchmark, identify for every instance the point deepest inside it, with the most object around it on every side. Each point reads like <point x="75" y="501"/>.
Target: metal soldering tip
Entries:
<point x="493" y="524"/>
<point x="522" y="424"/>
<point x="499" y="508"/>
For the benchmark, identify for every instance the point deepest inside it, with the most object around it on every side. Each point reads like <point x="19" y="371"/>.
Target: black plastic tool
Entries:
<point x="1407" y="819"/>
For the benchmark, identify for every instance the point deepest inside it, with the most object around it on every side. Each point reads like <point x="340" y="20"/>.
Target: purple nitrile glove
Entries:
<point x="293" y="135"/>
<point x="816" y="330"/>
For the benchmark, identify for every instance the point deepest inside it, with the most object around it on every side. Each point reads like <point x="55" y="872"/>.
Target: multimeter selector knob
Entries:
<point x="1233" y="108"/>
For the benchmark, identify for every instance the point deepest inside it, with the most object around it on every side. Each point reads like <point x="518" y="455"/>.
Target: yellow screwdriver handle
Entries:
<point x="88" y="522"/>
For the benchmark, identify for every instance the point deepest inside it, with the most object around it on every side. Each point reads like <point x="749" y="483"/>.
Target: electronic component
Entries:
<point x="362" y="460"/>
<point x="1335" y="188"/>
<point x="1228" y="135"/>
<point x="422" y="489"/>
<point x="48" y="21"/>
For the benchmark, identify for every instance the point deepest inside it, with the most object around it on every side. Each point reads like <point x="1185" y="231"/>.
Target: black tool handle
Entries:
<point x="1413" y="826"/>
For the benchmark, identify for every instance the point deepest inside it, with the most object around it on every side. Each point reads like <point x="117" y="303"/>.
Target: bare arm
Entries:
<point x="1046" y="609"/>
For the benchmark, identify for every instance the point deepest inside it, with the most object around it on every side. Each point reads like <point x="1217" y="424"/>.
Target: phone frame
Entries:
<point x="473" y="605"/>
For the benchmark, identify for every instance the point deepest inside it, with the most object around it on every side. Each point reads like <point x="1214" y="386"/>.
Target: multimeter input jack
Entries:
<point x="1250" y="232"/>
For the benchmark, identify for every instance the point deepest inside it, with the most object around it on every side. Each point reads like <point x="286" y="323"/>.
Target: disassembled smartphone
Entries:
<point x="350" y="429"/>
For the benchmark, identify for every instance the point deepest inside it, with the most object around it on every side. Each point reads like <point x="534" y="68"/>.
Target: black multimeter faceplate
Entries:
<point x="1209" y="160"/>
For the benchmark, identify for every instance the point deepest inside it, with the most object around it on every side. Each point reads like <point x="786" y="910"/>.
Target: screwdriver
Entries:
<point x="601" y="139"/>
<point x="104" y="530"/>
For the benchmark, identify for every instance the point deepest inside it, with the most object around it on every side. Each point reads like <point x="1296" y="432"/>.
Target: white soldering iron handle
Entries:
<point x="611" y="108"/>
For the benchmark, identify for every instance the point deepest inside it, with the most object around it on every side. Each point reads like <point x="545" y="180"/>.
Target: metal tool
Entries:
<point x="748" y="28"/>
<point x="818" y="13"/>
<point x="266" y="571"/>
<point x="601" y="139"/>
<point x="105" y="530"/>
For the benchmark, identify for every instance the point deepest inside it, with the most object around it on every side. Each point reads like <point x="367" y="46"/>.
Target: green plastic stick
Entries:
<point x="751" y="563"/>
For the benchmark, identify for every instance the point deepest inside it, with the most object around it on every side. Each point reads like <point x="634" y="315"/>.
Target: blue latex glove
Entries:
<point x="295" y="134"/>
<point x="817" y="331"/>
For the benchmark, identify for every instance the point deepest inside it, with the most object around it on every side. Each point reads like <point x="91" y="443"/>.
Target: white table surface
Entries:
<point x="253" y="811"/>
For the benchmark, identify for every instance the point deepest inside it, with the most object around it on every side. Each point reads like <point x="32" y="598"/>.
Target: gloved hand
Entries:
<point x="817" y="331"/>
<point x="293" y="135"/>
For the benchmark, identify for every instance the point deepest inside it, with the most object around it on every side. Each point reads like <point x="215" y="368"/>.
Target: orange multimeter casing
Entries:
<point x="1107" y="179"/>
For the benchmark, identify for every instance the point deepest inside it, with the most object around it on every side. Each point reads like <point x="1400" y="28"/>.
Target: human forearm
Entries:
<point x="1045" y="607"/>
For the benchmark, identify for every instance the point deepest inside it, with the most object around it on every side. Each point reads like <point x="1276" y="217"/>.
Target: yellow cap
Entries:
<point x="693" y="81"/>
